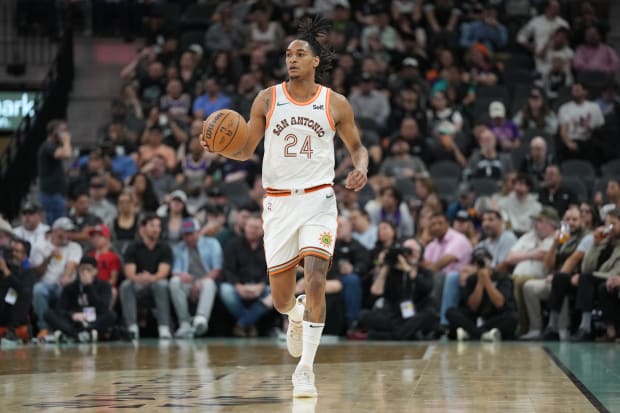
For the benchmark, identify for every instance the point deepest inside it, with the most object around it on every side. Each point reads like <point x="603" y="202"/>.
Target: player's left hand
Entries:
<point x="356" y="179"/>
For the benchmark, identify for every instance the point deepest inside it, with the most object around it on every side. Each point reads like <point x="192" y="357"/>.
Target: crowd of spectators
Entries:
<point x="493" y="203"/>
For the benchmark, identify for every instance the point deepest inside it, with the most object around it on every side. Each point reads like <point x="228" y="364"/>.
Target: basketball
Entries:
<point x="225" y="132"/>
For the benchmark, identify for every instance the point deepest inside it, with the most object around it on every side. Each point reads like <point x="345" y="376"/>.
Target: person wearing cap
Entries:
<point x="83" y="220"/>
<point x="562" y="263"/>
<point x="108" y="261"/>
<point x="197" y="265"/>
<point x="6" y="232"/>
<point x="409" y="118"/>
<point x="83" y="311"/>
<point x="466" y="198"/>
<point x="99" y="204"/>
<point x="486" y="30"/>
<point x="520" y="205"/>
<point x="506" y="132"/>
<point x="536" y="114"/>
<point x="464" y="223"/>
<point x="147" y="268"/>
<point x="32" y="229"/>
<point x="173" y="215"/>
<point x="17" y="280"/>
<point x="55" y="261"/>
<point x="50" y="158"/>
<point x="369" y="103"/>
<point x="527" y="256"/>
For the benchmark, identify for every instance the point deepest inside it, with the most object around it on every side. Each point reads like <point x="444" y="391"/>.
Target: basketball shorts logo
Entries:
<point x="326" y="239"/>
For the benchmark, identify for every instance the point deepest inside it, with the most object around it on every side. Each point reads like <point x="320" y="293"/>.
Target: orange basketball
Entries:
<point x="224" y="132"/>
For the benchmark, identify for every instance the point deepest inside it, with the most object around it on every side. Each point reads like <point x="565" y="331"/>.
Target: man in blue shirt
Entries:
<point x="197" y="264"/>
<point x="212" y="100"/>
<point x="488" y="31"/>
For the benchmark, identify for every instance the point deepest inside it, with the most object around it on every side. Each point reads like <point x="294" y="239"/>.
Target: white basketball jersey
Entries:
<point x="299" y="141"/>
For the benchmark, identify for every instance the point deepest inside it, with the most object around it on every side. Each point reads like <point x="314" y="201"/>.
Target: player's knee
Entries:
<point x="282" y="303"/>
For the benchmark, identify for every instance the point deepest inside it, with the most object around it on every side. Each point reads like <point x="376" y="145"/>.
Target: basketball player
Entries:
<point x="299" y="119"/>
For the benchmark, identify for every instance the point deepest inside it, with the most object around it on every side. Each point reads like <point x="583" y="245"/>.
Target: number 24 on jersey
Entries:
<point x="290" y="149"/>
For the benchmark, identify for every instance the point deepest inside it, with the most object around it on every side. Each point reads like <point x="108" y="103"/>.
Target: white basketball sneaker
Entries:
<point x="294" y="332"/>
<point x="303" y="382"/>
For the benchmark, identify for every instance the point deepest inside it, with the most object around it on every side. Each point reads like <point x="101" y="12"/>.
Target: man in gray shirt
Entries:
<point x="401" y="164"/>
<point x="498" y="241"/>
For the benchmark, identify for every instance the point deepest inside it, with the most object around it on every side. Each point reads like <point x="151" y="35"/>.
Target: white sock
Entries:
<point x="296" y="313"/>
<point x="310" y="343"/>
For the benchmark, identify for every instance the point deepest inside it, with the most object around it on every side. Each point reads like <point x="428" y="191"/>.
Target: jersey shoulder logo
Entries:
<point x="318" y="107"/>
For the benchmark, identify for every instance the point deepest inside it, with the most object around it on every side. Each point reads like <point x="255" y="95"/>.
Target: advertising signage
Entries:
<point x="14" y="105"/>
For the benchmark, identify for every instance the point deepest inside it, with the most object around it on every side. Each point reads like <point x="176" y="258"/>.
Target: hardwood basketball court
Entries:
<point x="254" y="376"/>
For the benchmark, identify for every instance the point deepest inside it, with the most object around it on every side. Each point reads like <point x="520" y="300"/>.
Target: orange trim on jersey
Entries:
<point x="279" y="269"/>
<point x="328" y="112"/>
<point x="272" y="106"/>
<point x="296" y="102"/>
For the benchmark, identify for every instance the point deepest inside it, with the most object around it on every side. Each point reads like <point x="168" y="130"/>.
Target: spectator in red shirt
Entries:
<point x="108" y="262"/>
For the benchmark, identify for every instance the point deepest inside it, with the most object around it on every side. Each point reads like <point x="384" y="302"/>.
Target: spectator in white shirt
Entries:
<point x="535" y="34"/>
<point x="520" y="205"/>
<point x="32" y="229"/>
<point x="528" y="256"/>
<point x="578" y="119"/>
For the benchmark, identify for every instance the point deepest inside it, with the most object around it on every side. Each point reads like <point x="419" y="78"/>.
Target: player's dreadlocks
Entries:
<point x="310" y="30"/>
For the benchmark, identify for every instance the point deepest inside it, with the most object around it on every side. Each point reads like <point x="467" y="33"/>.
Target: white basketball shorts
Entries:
<point x="298" y="224"/>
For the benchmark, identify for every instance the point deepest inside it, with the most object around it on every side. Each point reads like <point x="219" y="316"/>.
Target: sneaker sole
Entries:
<point x="304" y="393"/>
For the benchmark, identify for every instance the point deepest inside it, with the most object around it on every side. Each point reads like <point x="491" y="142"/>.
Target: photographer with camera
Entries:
<point x="83" y="310"/>
<point x="16" y="284"/>
<point x="408" y="311"/>
<point x="489" y="312"/>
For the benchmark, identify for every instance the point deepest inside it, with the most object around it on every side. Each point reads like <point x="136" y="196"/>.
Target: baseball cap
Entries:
<point x="88" y="260"/>
<point x="30" y="208"/>
<point x="549" y="213"/>
<point x="462" y="215"/>
<point x="497" y="109"/>
<point x="63" y="223"/>
<point x="100" y="229"/>
<point x="189" y="226"/>
<point x="180" y="195"/>
<point x="410" y="61"/>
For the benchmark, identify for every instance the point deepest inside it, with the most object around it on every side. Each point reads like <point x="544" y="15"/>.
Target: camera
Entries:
<point x="481" y="257"/>
<point x="391" y="258"/>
